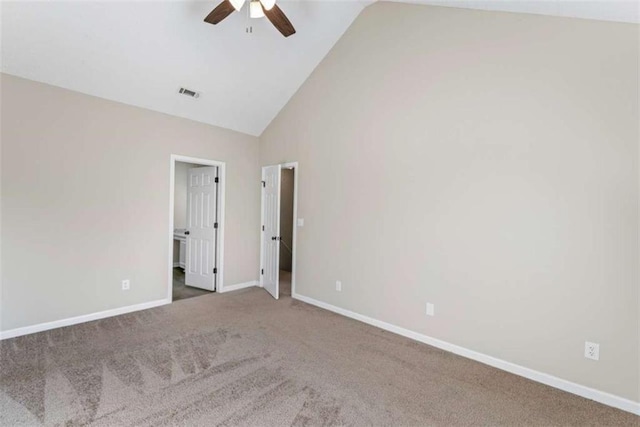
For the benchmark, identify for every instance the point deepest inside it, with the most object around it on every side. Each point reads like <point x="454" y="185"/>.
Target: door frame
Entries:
<point x="221" y="209"/>
<point x="294" y="242"/>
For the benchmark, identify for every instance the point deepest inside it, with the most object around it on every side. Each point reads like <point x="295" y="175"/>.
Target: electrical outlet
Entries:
<point x="591" y="350"/>
<point x="430" y="309"/>
<point x="338" y="286"/>
<point x="126" y="285"/>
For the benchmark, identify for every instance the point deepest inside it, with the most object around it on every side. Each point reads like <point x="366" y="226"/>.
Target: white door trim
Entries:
<point x="260" y="267"/>
<point x="221" y="209"/>
<point x="294" y="244"/>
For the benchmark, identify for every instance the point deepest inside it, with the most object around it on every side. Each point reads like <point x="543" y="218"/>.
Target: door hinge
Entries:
<point x="262" y="271"/>
<point x="264" y="184"/>
<point x="216" y="180"/>
<point x="215" y="225"/>
<point x="215" y="270"/>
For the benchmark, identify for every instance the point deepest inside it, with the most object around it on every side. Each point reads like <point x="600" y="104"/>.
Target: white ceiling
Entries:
<point x="141" y="52"/>
<point x="603" y="10"/>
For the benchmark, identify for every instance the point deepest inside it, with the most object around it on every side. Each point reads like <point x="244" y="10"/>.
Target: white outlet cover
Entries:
<point x="126" y="285"/>
<point x="338" y="286"/>
<point x="592" y="350"/>
<point x="430" y="309"/>
<point x="300" y="222"/>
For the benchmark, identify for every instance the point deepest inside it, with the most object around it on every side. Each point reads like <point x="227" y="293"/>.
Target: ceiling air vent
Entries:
<point x="188" y="92"/>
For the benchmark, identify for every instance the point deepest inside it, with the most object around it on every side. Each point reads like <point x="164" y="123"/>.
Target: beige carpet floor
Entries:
<point x="244" y="358"/>
<point x="285" y="283"/>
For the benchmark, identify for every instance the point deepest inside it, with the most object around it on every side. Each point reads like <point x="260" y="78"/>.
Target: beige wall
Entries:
<point x="85" y="201"/>
<point x="487" y="163"/>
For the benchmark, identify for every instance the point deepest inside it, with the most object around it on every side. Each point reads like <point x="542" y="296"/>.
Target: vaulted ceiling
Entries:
<point x="141" y="52"/>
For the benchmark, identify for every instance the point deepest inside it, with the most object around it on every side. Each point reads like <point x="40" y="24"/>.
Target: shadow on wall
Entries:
<point x="286" y="219"/>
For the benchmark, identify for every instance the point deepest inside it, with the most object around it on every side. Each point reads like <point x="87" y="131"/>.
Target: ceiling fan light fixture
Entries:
<point x="255" y="9"/>
<point x="268" y="4"/>
<point x="237" y="4"/>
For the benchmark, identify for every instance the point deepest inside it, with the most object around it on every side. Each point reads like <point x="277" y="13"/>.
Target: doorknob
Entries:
<point x="186" y="232"/>
<point x="274" y="238"/>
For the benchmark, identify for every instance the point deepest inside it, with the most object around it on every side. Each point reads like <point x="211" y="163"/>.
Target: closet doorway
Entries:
<point x="279" y="229"/>
<point x="197" y="227"/>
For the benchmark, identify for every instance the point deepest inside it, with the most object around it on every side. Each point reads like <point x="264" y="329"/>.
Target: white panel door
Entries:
<point x="271" y="232"/>
<point x="202" y="227"/>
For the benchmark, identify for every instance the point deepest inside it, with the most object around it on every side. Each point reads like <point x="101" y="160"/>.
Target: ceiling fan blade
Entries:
<point x="279" y="20"/>
<point x="221" y="11"/>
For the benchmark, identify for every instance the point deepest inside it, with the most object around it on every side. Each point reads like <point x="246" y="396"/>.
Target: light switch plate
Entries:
<point x="300" y="222"/>
<point x="430" y="309"/>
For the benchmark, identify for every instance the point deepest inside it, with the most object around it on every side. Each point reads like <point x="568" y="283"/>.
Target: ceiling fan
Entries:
<point x="257" y="9"/>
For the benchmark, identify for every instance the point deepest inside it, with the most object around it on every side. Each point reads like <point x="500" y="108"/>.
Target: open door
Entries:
<point x="270" y="253"/>
<point x="202" y="226"/>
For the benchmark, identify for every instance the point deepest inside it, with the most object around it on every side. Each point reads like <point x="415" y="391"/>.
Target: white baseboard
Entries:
<point x="176" y="264"/>
<point x="237" y="286"/>
<point x="12" y="333"/>
<point x="550" y="380"/>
